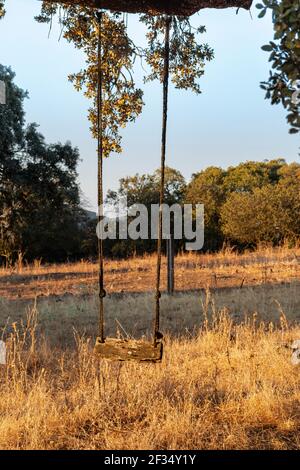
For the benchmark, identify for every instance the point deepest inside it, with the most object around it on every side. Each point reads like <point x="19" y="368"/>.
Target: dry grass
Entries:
<point x="228" y="386"/>
<point x="193" y="271"/>
<point x="226" y="381"/>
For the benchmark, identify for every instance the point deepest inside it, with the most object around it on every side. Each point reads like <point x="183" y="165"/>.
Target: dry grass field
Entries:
<point x="193" y="271"/>
<point x="226" y="380"/>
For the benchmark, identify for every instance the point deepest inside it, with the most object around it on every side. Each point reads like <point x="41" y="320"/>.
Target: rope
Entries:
<point x="156" y="334"/>
<point x="102" y="292"/>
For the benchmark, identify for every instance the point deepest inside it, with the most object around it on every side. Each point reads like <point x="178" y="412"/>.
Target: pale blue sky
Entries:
<point x="228" y="123"/>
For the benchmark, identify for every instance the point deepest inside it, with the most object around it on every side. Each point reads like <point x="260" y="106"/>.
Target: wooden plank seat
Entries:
<point x="129" y="350"/>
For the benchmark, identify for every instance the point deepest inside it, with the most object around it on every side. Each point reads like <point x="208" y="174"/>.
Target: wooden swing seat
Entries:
<point x="129" y="350"/>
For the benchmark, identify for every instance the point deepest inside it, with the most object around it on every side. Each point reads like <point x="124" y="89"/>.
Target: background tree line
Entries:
<point x="41" y="214"/>
<point x="245" y="205"/>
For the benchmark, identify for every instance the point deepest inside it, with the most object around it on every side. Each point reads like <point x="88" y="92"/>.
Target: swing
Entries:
<point x="130" y="349"/>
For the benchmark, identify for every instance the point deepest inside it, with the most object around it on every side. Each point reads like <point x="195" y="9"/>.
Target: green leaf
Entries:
<point x="267" y="48"/>
<point x="262" y="13"/>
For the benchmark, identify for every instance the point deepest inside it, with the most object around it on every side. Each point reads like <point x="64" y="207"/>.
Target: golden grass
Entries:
<point x="225" y="382"/>
<point x="224" y="385"/>
<point x="192" y="271"/>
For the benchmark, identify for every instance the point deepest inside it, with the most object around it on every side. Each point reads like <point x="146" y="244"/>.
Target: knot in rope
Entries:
<point x="102" y="294"/>
<point x="157" y="295"/>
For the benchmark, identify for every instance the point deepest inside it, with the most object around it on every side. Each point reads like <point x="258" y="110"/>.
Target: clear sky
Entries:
<point x="228" y="123"/>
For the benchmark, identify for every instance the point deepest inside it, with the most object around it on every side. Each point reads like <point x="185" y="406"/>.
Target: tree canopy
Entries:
<point x="283" y="83"/>
<point x="122" y="101"/>
<point x="250" y="203"/>
<point x="39" y="193"/>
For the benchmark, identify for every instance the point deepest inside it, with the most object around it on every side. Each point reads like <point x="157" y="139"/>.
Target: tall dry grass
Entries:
<point x="226" y="385"/>
<point x="193" y="271"/>
<point x="227" y="256"/>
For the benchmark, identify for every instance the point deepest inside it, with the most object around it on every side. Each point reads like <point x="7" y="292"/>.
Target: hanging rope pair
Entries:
<point x="115" y="348"/>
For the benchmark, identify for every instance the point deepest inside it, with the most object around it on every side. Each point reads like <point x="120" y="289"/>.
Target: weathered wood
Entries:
<point x="171" y="7"/>
<point x="129" y="350"/>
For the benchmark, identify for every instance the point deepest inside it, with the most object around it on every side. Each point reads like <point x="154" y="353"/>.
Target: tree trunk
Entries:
<point x="170" y="7"/>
